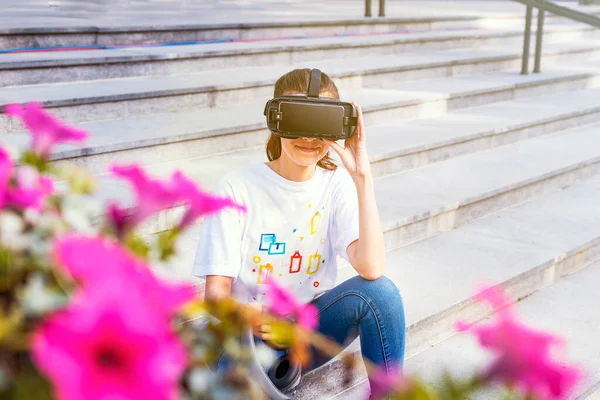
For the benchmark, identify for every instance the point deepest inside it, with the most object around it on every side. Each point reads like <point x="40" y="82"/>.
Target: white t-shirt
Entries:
<point x="292" y="231"/>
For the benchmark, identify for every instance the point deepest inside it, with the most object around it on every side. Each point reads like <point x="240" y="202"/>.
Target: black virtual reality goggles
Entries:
<point x="310" y="115"/>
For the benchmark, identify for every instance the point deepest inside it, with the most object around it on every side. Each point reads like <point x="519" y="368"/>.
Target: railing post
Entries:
<point x="367" y="8"/>
<point x="538" y="40"/>
<point x="527" y="40"/>
<point x="382" y="8"/>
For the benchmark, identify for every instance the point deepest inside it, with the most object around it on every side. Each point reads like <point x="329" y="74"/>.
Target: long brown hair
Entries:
<point x="296" y="82"/>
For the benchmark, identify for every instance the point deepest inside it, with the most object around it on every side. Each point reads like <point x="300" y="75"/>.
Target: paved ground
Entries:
<point x="54" y="13"/>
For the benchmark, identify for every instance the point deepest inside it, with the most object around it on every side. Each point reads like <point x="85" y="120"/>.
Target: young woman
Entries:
<point x="303" y="212"/>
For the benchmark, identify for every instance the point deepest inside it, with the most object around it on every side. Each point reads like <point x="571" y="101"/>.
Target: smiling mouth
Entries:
<point x="308" y="149"/>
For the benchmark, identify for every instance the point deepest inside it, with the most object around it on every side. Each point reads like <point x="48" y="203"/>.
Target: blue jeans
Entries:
<point x="371" y="310"/>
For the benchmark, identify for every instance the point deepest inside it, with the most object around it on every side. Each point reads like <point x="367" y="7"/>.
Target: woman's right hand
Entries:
<point x="263" y="330"/>
<point x="260" y="329"/>
<point x="219" y="288"/>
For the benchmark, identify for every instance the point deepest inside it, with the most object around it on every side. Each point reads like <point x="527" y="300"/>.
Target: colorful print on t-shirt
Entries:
<point x="296" y="256"/>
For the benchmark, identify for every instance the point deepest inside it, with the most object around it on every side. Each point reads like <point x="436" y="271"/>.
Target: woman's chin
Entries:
<point x="306" y="160"/>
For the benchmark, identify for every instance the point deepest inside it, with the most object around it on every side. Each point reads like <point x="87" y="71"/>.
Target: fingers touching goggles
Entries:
<point x="309" y="115"/>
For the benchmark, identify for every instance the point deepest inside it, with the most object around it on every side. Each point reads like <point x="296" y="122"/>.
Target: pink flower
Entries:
<point x="384" y="383"/>
<point x="523" y="359"/>
<point x="110" y="343"/>
<point x="31" y="189"/>
<point x="282" y="303"/>
<point x="46" y="130"/>
<point x="117" y="216"/>
<point x="6" y="167"/>
<point x="200" y="203"/>
<point x="28" y="190"/>
<point x="152" y="195"/>
<point x="93" y="260"/>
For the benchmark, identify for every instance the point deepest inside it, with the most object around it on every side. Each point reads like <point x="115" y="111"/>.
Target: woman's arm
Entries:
<point x="367" y="254"/>
<point x="217" y="288"/>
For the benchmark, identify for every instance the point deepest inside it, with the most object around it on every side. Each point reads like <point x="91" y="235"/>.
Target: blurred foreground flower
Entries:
<point x="200" y="203"/>
<point x="110" y="343"/>
<point x="153" y="195"/>
<point x="6" y="166"/>
<point x="95" y="260"/>
<point x="523" y="355"/>
<point x="12" y="231"/>
<point x="30" y="190"/>
<point x="46" y="130"/>
<point x="283" y="304"/>
<point x="384" y="383"/>
<point x="23" y="187"/>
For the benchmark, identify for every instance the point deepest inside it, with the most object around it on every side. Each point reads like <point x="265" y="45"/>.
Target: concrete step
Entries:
<point x="443" y="196"/>
<point x="562" y="309"/>
<point x="394" y="145"/>
<point x="401" y="146"/>
<point x="86" y="101"/>
<point x="593" y="393"/>
<point x="525" y="248"/>
<point x="90" y="35"/>
<point x="47" y="67"/>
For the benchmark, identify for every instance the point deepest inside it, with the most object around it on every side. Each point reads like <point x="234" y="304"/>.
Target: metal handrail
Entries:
<point x="368" y="8"/>
<point x="543" y="6"/>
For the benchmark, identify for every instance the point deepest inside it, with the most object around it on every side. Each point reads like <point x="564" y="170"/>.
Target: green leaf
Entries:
<point x="166" y="241"/>
<point x="9" y="324"/>
<point x="422" y="392"/>
<point x="35" y="160"/>
<point x="457" y="389"/>
<point x="29" y="385"/>
<point x="7" y="260"/>
<point x="137" y="245"/>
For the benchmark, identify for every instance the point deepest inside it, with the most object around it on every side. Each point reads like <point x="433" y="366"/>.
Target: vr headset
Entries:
<point x="309" y="115"/>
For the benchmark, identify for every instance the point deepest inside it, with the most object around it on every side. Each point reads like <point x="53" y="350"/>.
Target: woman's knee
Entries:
<point x="382" y="289"/>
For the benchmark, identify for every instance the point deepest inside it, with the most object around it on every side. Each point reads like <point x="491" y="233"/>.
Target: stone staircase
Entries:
<point x="482" y="174"/>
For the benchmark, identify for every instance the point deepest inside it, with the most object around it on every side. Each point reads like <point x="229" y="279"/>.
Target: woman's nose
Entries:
<point x="308" y="139"/>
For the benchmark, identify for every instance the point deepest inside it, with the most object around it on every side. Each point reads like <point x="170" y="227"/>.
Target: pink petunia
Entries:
<point x="46" y="130"/>
<point x="110" y="343"/>
<point x="383" y="383"/>
<point x="92" y="260"/>
<point x="117" y="216"/>
<point x="6" y="168"/>
<point x="30" y="191"/>
<point x="523" y="355"/>
<point x="200" y="203"/>
<point x="152" y="195"/>
<point x="283" y="304"/>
